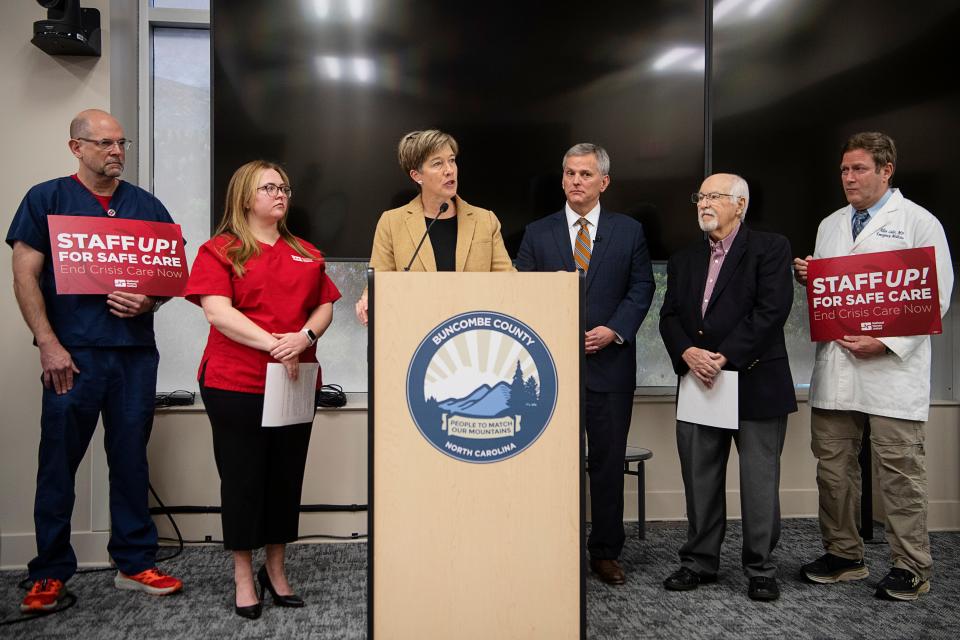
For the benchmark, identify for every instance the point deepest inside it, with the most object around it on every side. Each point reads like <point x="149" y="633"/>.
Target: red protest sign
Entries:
<point x="101" y="255"/>
<point x="889" y="293"/>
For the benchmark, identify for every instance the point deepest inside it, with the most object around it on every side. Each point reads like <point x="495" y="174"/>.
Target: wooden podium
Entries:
<point x="476" y="488"/>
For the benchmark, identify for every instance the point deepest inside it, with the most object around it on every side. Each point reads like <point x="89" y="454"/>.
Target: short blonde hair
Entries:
<point x="416" y="146"/>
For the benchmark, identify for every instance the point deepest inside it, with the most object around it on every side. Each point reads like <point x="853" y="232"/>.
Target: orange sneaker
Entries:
<point x="44" y="595"/>
<point x="151" y="581"/>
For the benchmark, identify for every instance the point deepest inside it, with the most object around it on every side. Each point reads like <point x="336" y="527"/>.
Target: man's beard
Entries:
<point x="112" y="170"/>
<point x="708" y="226"/>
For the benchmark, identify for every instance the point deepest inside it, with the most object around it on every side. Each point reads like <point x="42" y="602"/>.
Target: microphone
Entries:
<point x="443" y="208"/>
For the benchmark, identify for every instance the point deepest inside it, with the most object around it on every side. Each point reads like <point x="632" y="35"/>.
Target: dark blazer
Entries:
<point x="619" y="287"/>
<point x="744" y="319"/>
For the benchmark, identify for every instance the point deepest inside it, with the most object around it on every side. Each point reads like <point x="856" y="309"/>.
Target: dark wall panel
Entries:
<point x="328" y="88"/>
<point x="790" y="86"/>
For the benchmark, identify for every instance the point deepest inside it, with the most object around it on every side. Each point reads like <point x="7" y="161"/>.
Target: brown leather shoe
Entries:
<point x="609" y="571"/>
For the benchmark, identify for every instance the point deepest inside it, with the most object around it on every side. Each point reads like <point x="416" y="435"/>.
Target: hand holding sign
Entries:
<point x="862" y="346"/>
<point x="800" y="269"/>
<point x="128" y="305"/>
<point x="890" y="293"/>
<point x="105" y="255"/>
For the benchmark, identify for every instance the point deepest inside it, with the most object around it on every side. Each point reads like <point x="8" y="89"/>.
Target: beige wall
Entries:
<point x="183" y="472"/>
<point x="40" y="95"/>
<point x="653" y="428"/>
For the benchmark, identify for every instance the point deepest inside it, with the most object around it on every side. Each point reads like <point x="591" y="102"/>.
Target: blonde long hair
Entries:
<point x="240" y="194"/>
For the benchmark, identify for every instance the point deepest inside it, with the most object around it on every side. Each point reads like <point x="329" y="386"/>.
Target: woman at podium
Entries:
<point x="461" y="237"/>
<point x="268" y="298"/>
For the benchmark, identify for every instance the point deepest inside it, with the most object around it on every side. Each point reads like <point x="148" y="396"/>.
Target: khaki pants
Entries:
<point x="898" y="457"/>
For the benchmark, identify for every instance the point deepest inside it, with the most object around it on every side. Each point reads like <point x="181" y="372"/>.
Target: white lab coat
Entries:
<point x="897" y="386"/>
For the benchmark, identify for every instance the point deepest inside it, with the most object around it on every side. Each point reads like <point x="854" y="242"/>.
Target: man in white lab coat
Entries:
<point x="885" y="381"/>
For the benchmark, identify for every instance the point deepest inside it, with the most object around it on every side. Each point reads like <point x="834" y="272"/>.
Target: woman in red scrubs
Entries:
<point x="267" y="297"/>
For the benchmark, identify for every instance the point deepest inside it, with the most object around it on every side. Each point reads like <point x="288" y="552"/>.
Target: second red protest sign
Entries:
<point x="889" y="293"/>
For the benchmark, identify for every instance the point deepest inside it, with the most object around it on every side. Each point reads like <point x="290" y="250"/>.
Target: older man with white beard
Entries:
<point x="728" y="298"/>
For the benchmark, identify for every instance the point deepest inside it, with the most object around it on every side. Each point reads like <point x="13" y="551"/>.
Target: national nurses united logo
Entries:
<point x="482" y="387"/>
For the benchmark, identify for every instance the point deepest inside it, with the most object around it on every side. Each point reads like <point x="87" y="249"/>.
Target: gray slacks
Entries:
<point x="703" y="461"/>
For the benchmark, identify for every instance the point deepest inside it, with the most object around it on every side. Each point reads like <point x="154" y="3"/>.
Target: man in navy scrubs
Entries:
<point x="98" y="357"/>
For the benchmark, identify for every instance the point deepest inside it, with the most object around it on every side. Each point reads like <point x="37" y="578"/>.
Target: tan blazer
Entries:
<point x="479" y="244"/>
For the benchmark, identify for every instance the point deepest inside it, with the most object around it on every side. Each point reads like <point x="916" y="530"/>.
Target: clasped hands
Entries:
<point x="705" y="365"/>
<point x="287" y="349"/>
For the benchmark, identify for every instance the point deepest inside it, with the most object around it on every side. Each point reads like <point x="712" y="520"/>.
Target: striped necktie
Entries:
<point x="581" y="249"/>
<point x="860" y="218"/>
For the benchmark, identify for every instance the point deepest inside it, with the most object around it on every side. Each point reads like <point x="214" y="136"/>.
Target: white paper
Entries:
<point x="287" y="401"/>
<point x="717" y="406"/>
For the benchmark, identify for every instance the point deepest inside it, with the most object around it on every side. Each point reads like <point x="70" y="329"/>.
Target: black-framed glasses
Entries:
<point x="106" y="144"/>
<point x="713" y="196"/>
<point x="273" y="189"/>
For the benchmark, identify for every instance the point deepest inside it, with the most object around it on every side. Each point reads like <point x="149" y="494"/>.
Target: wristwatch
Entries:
<point x="311" y="336"/>
<point x="157" y="303"/>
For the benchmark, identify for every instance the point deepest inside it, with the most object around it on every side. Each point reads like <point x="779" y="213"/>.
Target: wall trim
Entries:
<point x="17" y="549"/>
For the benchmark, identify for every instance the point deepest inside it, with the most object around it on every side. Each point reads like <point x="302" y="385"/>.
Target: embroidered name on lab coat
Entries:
<point x="890" y="234"/>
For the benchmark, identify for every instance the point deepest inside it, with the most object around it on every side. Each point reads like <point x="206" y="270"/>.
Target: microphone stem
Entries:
<point x="443" y="208"/>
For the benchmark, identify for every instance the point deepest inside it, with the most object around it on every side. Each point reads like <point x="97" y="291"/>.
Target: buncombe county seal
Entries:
<point x="481" y="387"/>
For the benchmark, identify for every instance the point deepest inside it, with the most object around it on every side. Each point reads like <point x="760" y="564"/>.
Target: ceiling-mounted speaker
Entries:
<point x="69" y="29"/>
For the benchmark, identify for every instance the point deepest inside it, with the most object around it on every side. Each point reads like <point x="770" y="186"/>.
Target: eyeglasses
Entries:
<point x="272" y="189"/>
<point x="713" y="196"/>
<point x="106" y="144"/>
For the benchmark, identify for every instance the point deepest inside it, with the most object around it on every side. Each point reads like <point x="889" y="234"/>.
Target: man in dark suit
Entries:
<point x="727" y="300"/>
<point x="611" y="249"/>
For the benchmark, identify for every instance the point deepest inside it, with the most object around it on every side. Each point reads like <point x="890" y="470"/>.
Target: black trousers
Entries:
<point x="261" y="470"/>
<point x="608" y="423"/>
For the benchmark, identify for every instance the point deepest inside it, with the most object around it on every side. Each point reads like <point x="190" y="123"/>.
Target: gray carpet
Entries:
<point x="332" y="578"/>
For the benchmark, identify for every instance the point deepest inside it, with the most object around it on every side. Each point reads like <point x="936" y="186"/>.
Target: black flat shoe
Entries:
<point x="250" y="612"/>
<point x="293" y="600"/>
<point x="763" y="589"/>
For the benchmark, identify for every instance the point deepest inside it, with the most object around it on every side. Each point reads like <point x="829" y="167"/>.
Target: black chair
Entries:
<point x="638" y="456"/>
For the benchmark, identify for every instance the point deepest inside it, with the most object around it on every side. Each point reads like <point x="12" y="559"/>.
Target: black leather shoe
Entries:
<point x="250" y="612"/>
<point x="764" y="589"/>
<point x="684" y="579"/>
<point x="293" y="600"/>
